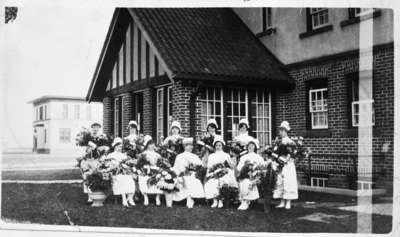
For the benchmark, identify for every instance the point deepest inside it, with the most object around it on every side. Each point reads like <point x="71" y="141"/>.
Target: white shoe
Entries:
<point x="146" y="201"/>
<point x="125" y="204"/>
<point x="158" y="202"/>
<point x="220" y="204"/>
<point x="132" y="203"/>
<point x="280" y="206"/>
<point x="243" y="206"/>
<point x="189" y="203"/>
<point x="215" y="203"/>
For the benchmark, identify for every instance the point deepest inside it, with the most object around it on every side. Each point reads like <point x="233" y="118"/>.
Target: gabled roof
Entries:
<point x="208" y="44"/>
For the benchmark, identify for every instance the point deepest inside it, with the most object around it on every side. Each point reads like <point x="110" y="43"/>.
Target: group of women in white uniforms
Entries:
<point x="191" y="187"/>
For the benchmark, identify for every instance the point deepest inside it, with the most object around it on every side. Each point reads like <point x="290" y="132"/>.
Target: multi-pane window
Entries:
<point x="363" y="11"/>
<point x="211" y="107"/>
<point x="266" y="18"/>
<point x="362" y="111"/>
<point x="65" y="111"/>
<point x="169" y="107"/>
<point x="41" y="113"/>
<point x="319" y="17"/>
<point x="45" y="112"/>
<point x="236" y="108"/>
<point x="65" y="135"/>
<point x="116" y="117"/>
<point x="261" y="116"/>
<point x="319" y="108"/>
<point x="160" y="113"/>
<point x="360" y="108"/>
<point x="88" y="112"/>
<point x="77" y="109"/>
<point x="319" y="182"/>
<point x="37" y="113"/>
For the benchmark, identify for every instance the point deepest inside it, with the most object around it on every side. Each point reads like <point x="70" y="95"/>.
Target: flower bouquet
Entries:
<point x="228" y="194"/>
<point x="199" y="171"/>
<point x="171" y="149"/>
<point x="144" y="167"/>
<point x="253" y="172"/>
<point x="206" y="142"/>
<point x="167" y="181"/>
<point x="282" y="150"/>
<point x="133" y="148"/>
<point x="83" y="137"/>
<point x="218" y="170"/>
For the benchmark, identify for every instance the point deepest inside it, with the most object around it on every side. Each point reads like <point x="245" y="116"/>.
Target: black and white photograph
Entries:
<point x="244" y="118"/>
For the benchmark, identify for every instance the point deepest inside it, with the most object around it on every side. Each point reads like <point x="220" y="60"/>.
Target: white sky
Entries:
<point x="51" y="50"/>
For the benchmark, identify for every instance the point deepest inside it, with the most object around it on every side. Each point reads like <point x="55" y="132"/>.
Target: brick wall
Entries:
<point x="108" y="115"/>
<point x="339" y="148"/>
<point x="181" y="92"/>
<point x="127" y="112"/>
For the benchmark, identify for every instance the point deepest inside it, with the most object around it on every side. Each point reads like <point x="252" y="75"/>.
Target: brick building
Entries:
<point x="300" y="65"/>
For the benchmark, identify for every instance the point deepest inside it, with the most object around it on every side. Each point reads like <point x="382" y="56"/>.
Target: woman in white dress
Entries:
<point x="213" y="184"/>
<point x="247" y="190"/>
<point x="191" y="187"/>
<point x="207" y="141"/>
<point x="243" y="138"/>
<point x="151" y="157"/>
<point x="173" y="142"/>
<point x="122" y="184"/>
<point x="286" y="182"/>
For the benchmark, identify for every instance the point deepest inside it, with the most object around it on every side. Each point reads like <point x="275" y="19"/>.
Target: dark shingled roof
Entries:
<point x="203" y="42"/>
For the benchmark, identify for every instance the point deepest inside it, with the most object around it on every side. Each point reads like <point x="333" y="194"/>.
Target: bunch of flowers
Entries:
<point x="228" y="193"/>
<point x="167" y="180"/>
<point x="199" y="171"/>
<point x="235" y="148"/>
<point x="171" y="149"/>
<point x="132" y="149"/>
<point x="144" y="167"/>
<point x="254" y="172"/>
<point x="218" y="170"/>
<point x="206" y="142"/>
<point x="98" y="178"/>
<point x="281" y="150"/>
<point x="83" y="137"/>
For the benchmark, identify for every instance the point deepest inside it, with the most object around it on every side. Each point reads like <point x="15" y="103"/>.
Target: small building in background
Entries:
<point x="57" y="120"/>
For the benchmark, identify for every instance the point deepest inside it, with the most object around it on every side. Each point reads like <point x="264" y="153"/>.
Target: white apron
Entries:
<point x="246" y="190"/>
<point x="144" y="187"/>
<point x="189" y="185"/>
<point x="213" y="185"/>
<point x="121" y="183"/>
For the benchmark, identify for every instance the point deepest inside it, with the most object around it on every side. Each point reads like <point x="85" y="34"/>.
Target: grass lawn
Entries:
<point x="64" y="174"/>
<point x="45" y="204"/>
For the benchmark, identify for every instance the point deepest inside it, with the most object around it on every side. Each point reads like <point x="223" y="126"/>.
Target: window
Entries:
<point x="37" y="113"/>
<point x="77" y="109"/>
<point x="65" y="111"/>
<point x="261" y="116"/>
<point x="236" y="110"/>
<point x="363" y="11"/>
<point x="266" y="18"/>
<point x="169" y="107"/>
<point x="41" y="113"/>
<point x="211" y="107"/>
<point x="359" y="108"/>
<point x="365" y="185"/>
<point x="116" y="117"/>
<point x="45" y="112"/>
<point x="319" y="108"/>
<point x="45" y="136"/>
<point x="319" y="182"/>
<point x="65" y="135"/>
<point x="160" y="113"/>
<point x="88" y="112"/>
<point x="319" y="17"/>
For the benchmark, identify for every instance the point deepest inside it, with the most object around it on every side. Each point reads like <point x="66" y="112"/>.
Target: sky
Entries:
<point x="46" y="51"/>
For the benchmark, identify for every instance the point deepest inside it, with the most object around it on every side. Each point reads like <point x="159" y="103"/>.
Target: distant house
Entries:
<point x="266" y="64"/>
<point x="57" y="120"/>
